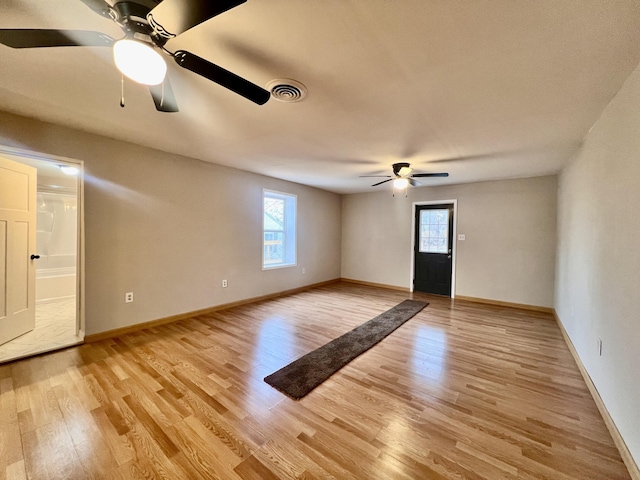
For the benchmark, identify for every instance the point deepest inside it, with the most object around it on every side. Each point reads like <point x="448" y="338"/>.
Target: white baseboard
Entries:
<point x="630" y="463"/>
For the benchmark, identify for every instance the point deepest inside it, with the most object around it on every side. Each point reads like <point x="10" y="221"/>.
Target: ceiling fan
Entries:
<point x="147" y="25"/>
<point x="402" y="176"/>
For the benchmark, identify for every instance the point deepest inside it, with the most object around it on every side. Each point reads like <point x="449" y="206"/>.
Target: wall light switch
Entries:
<point x="461" y="236"/>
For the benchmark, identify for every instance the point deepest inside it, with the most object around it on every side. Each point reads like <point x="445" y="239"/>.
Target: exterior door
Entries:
<point x="433" y="247"/>
<point x="17" y="244"/>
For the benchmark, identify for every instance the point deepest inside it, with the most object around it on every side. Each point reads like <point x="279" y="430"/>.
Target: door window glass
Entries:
<point x="434" y="231"/>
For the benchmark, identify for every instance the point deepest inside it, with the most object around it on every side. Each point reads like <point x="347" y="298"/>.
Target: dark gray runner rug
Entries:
<point x="306" y="373"/>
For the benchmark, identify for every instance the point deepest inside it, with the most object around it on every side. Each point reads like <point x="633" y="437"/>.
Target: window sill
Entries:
<point x="279" y="265"/>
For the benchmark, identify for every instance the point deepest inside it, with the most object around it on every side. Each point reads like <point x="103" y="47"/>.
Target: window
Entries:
<point x="434" y="231"/>
<point x="278" y="229"/>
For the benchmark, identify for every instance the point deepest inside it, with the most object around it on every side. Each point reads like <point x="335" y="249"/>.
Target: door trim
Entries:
<point x="18" y="153"/>
<point x="412" y="268"/>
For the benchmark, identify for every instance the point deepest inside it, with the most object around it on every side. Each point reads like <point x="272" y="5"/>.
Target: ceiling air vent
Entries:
<point x="287" y="90"/>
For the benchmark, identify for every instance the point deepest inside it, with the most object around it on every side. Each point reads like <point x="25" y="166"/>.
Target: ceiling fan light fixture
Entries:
<point x="400" y="183"/>
<point x="139" y="62"/>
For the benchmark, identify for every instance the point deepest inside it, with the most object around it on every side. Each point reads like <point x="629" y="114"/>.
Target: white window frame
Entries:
<point x="290" y="229"/>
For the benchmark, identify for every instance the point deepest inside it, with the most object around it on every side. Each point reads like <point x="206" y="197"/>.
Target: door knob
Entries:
<point x="35" y="257"/>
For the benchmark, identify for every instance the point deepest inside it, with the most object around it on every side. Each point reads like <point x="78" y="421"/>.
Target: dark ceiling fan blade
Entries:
<point x="222" y="77"/>
<point x="376" y="176"/>
<point x="173" y="17"/>
<point x="164" y="97"/>
<point x="414" y="183"/>
<point x="380" y="183"/>
<point x="99" y="6"/>
<point x="35" y="38"/>
<point x="422" y="175"/>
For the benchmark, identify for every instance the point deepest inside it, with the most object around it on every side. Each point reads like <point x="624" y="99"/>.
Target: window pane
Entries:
<point x="273" y="248"/>
<point x="273" y="214"/>
<point x="434" y="231"/>
<point x="279" y="229"/>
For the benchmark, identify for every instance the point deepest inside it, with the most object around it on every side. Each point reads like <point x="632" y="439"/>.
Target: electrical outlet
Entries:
<point x="462" y="236"/>
<point x="225" y="284"/>
<point x="128" y="297"/>
<point x="304" y="269"/>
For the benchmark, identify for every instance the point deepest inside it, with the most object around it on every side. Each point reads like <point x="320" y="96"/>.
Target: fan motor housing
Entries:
<point x="399" y="166"/>
<point x="132" y="17"/>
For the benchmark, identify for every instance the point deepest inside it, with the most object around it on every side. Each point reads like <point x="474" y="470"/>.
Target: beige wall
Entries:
<point x="508" y="253"/>
<point x="598" y="273"/>
<point x="170" y="228"/>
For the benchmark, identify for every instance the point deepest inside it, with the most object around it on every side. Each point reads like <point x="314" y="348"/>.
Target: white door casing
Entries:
<point x="17" y="243"/>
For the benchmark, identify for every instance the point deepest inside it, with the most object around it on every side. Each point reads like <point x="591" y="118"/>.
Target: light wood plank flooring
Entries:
<point x="462" y="390"/>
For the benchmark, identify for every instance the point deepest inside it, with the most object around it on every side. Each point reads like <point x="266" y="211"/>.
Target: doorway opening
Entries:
<point x="433" y="251"/>
<point x="58" y="257"/>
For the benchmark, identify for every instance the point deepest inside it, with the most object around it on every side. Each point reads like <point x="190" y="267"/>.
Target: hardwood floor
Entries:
<point x="462" y="390"/>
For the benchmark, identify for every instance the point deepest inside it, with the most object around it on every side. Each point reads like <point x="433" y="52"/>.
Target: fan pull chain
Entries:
<point x="393" y="192"/>
<point x="122" y="90"/>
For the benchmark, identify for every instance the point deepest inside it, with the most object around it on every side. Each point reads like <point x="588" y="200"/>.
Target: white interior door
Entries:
<point x="17" y="244"/>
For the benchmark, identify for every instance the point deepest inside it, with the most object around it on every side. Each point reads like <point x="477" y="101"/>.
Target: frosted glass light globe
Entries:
<point x="400" y="183"/>
<point x="139" y="62"/>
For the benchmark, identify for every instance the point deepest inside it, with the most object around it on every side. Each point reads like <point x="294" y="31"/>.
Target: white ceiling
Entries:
<point x="481" y="89"/>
